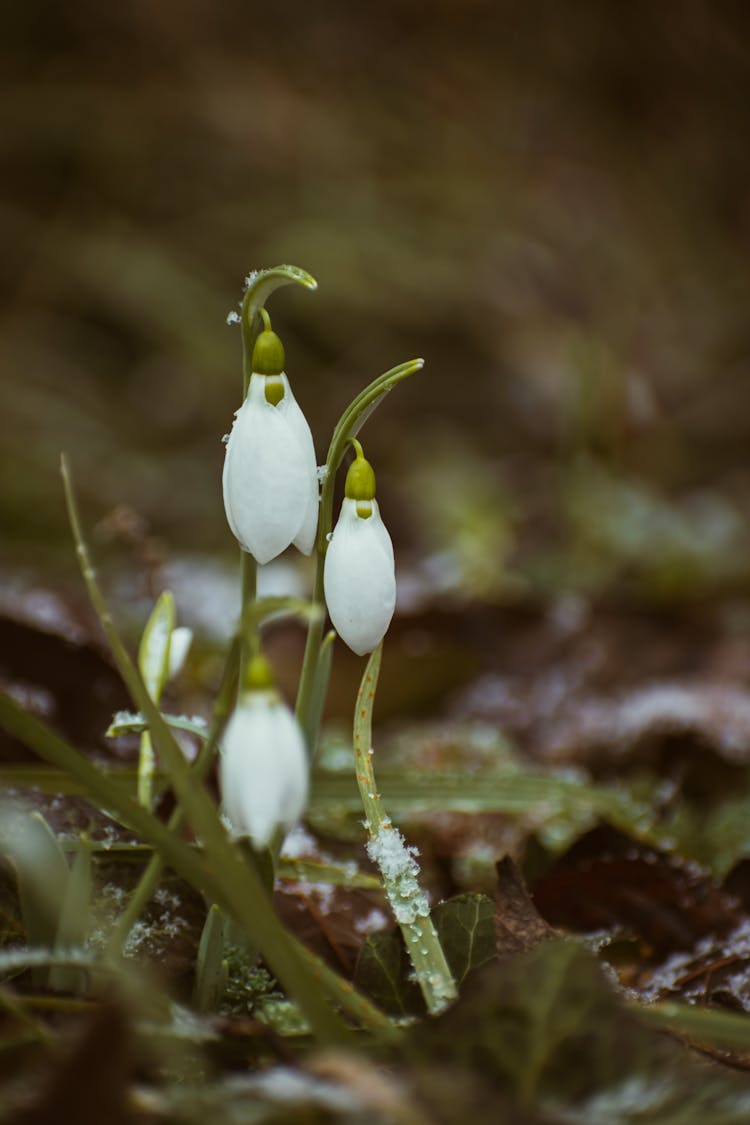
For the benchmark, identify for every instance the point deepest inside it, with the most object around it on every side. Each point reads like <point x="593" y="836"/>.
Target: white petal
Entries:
<point x="359" y="578"/>
<point x="266" y="477"/>
<point x="263" y="769"/>
<point x="305" y="539"/>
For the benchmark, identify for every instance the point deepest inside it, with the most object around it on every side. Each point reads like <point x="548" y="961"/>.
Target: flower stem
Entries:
<point x="357" y="412"/>
<point x="248" y="619"/>
<point x="259" y="287"/>
<point x="396" y="861"/>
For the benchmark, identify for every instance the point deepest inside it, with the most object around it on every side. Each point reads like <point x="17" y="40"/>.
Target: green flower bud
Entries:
<point x="258" y="676"/>
<point x="360" y="479"/>
<point x="268" y="354"/>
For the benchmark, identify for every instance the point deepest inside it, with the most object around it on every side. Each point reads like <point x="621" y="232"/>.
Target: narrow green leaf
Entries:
<point x="153" y="653"/>
<point x="314" y="714"/>
<point x="705" y="1025"/>
<point x="133" y="722"/>
<point x="240" y="888"/>
<point x="42" y="882"/>
<point x="310" y="871"/>
<point x="75" y="920"/>
<point x="153" y="664"/>
<point x="210" y="965"/>
<point x="408" y="792"/>
<point x="186" y="861"/>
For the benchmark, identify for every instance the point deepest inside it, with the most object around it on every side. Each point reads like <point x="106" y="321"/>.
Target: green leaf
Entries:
<point x="313" y="871"/>
<point x="466" y="932"/>
<point x="134" y="722"/>
<point x="408" y="792"/>
<point x="383" y="972"/>
<point x="75" y="920"/>
<point x="153" y="653"/>
<point x="210" y="966"/>
<point x="465" y="926"/>
<point x="706" y="1025"/>
<point x="42" y="882"/>
<point x="319" y="692"/>
<point x="545" y="1029"/>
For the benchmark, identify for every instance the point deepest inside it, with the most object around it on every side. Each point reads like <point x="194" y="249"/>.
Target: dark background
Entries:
<point x="549" y="202"/>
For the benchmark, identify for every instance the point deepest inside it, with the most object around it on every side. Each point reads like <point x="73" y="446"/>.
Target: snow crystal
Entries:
<point x="233" y="317"/>
<point x="322" y="473"/>
<point x="400" y="870"/>
<point x="667" y="977"/>
<point x="166" y="898"/>
<point x="375" y="920"/>
<point x="299" y="843"/>
<point x="290" y="1087"/>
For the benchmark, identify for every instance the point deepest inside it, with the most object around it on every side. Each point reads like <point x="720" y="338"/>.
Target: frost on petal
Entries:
<point x="263" y="769"/>
<point x="289" y="407"/>
<point x="359" y="579"/>
<point x="266" y="477"/>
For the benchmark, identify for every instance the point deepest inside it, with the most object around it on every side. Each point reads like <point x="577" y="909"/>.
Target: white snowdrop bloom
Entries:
<point x="263" y="771"/>
<point x="359" y="575"/>
<point x="270" y="471"/>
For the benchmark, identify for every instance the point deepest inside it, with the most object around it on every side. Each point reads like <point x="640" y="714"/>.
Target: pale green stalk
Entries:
<point x="248" y="596"/>
<point x="397" y="866"/>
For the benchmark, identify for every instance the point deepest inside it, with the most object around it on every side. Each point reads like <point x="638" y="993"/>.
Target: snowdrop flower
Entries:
<point x="263" y="771"/>
<point x="270" y="477"/>
<point x="359" y="576"/>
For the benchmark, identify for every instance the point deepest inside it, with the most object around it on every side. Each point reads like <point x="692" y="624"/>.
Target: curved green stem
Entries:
<point x="349" y="424"/>
<point x="260" y="285"/>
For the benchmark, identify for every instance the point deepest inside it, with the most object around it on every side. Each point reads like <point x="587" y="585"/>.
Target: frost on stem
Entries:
<point x="400" y="872"/>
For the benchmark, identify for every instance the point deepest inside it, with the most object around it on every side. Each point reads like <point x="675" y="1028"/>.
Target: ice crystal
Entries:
<point x="371" y="923"/>
<point x="400" y="872"/>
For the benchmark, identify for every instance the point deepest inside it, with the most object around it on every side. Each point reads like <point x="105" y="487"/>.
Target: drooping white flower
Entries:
<point x="359" y="575"/>
<point x="270" y="474"/>
<point x="264" y="769"/>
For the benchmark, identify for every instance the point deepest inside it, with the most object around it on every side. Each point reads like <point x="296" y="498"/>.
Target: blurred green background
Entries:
<point x="548" y="202"/>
